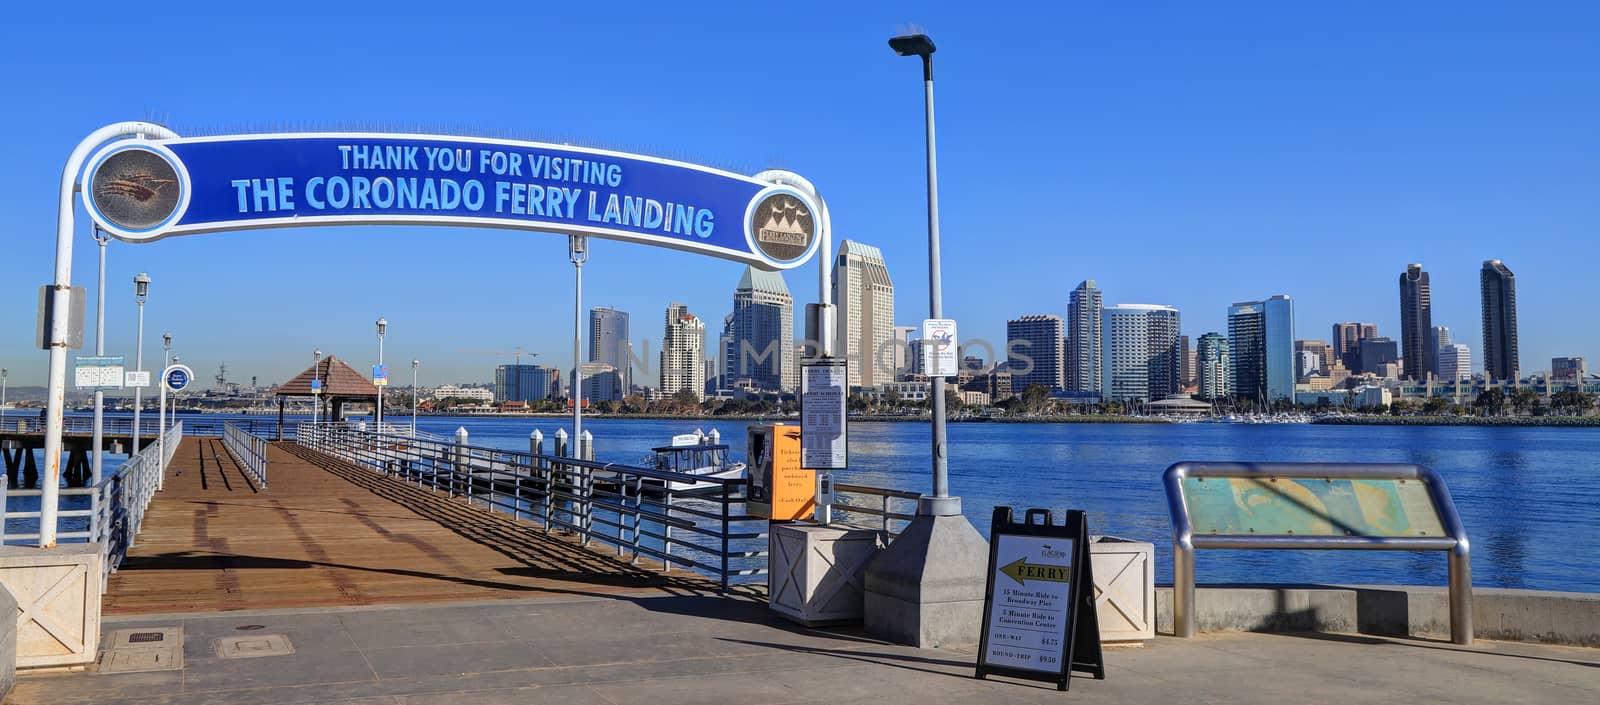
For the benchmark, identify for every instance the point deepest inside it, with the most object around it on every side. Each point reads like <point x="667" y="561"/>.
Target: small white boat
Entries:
<point x="694" y="454"/>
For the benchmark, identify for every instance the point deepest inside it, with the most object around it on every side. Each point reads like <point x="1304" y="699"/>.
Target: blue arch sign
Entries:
<point x="150" y="189"/>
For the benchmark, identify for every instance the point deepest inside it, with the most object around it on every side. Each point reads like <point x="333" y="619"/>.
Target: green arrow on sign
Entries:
<point x="1020" y="571"/>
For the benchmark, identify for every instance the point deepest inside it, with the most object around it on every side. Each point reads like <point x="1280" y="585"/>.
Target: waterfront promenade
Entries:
<point x="328" y="534"/>
<point x="701" y="650"/>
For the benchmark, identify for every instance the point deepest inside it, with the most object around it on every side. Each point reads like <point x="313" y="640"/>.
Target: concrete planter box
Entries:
<point x="818" y="573"/>
<point x="58" y="602"/>
<point x="1125" y="588"/>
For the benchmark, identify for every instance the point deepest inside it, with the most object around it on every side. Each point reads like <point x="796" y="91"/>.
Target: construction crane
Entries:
<point x="516" y="353"/>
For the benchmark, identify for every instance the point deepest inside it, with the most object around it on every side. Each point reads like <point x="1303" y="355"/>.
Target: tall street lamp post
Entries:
<point x="578" y="253"/>
<point x="3" y="373"/>
<point x="941" y="503"/>
<point x="141" y="289"/>
<point x="927" y="588"/>
<point x="414" y="365"/>
<point x="166" y="361"/>
<point x="377" y="417"/>
<point x="99" y="350"/>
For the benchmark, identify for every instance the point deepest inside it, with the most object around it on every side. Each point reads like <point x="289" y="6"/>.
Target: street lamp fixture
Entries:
<point x="141" y="290"/>
<point x="377" y="415"/>
<point x="316" y="376"/>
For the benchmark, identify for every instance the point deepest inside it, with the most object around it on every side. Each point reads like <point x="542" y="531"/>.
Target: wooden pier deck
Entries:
<point x="330" y="534"/>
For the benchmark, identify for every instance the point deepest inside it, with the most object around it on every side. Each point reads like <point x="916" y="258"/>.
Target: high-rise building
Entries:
<point x="609" y="344"/>
<point x="1081" y="371"/>
<point x="1499" y="289"/>
<point x="1141" y="352"/>
<point x="1416" y="324"/>
<point x="1377" y="351"/>
<point x="762" y="331"/>
<point x="601" y="382"/>
<point x="1347" y="339"/>
<point x="727" y="353"/>
<point x="1441" y="340"/>
<point x="523" y="383"/>
<point x="1211" y="361"/>
<point x="1261" y="349"/>
<point x="864" y="296"/>
<point x="904" y="362"/>
<point x="1571" y="369"/>
<point x="1185" y="362"/>
<point x="1034" y="352"/>
<point x="1323" y="354"/>
<point x="683" y="344"/>
<point x="1455" y="362"/>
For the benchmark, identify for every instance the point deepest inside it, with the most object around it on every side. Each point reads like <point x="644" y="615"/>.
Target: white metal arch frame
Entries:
<point x="819" y="317"/>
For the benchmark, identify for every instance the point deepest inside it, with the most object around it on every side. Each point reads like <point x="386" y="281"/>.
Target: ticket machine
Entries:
<point x="779" y="488"/>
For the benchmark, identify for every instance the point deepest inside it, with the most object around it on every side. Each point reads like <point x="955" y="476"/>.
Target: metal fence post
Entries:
<point x="586" y="452"/>
<point x="724" y="532"/>
<point x="558" y="468"/>
<point x="463" y="463"/>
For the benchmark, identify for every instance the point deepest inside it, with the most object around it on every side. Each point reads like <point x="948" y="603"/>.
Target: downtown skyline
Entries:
<point x="1365" y="164"/>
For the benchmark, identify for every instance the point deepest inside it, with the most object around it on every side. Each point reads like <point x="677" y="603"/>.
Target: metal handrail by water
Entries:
<point x="634" y="509"/>
<point x="248" y="450"/>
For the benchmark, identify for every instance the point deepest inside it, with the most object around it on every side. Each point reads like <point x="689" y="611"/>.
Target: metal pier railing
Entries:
<point x="110" y="513"/>
<point x="642" y="512"/>
<point x="248" y="450"/>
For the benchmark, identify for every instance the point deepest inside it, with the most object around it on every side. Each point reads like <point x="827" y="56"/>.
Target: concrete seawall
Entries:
<point x="1570" y="618"/>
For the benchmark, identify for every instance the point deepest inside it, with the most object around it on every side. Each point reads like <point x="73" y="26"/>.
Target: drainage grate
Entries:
<point x="145" y="637"/>
<point x="254" y="646"/>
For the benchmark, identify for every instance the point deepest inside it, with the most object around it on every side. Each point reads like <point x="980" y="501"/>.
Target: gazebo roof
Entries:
<point x="338" y="380"/>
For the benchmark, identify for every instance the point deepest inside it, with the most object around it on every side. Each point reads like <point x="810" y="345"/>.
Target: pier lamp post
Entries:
<point x="578" y="253"/>
<point x="102" y="239"/>
<point x="414" y="365"/>
<point x="141" y="289"/>
<point x="377" y="416"/>
<point x="166" y="361"/>
<point x="3" y="373"/>
<point x="927" y="587"/>
<point x="316" y="376"/>
<point x="941" y="503"/>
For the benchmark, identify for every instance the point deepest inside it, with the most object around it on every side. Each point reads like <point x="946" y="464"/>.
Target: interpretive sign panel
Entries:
<point x="1301" y="506"/>
<point x="139" y="379"/>
<point x="823" y="441"/>
<point x="98" y="373"/>
<point x="1039" y="616"/>
<point x="149" y="189"/>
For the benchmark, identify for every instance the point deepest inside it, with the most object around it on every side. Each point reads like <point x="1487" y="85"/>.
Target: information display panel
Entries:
<point x="1301" y="506"/>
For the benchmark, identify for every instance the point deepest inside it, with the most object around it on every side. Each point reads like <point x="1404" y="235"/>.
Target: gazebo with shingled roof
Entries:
<point x="340" y="383"/>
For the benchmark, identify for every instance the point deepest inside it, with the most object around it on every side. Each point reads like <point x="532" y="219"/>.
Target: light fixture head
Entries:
<point x="912" y="45"/>
<point x="141" y="286"/>
<point x="383" y="325"/>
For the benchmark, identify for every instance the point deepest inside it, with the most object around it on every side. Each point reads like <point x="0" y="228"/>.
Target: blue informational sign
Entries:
<point x="316" y="386"/>
<point x="177" y="378"/>
<point x="145" y="190"/>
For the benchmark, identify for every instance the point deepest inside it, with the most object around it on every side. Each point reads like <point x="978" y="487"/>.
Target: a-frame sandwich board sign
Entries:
<point x="1039" y="618"/>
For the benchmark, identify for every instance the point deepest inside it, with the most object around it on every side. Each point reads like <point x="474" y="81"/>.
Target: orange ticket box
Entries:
<point x="779" y="488"/>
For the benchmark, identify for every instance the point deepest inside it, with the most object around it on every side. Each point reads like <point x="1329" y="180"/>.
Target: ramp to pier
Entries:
<point x="330" y="534"/>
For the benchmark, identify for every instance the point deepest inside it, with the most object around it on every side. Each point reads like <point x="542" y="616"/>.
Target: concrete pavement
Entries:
<point x="700" y="649"/>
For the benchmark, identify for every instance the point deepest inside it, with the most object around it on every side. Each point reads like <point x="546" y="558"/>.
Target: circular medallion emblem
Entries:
<point x="135" y="189"/>
<point x="782" y="227"/>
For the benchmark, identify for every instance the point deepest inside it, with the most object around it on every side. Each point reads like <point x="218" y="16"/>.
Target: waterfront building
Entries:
<point x="1212" y="363"/>
<point x="1141" y="359"/>
<point x="864" y="296"/>
<point x="1572" y="369"/>
<point x="1455" y="362"/>
<point x="1347" y="339"/>
<point x="1325" y="358"/>
<point x="1499" y="291"/>
<point x="480" y="395"/>
<point x="523" y="383"/>
<point x="1185" y="362"/>
<point x="1261" y="349"/>
<point x="761" y="332"/>
<point x="1376" y="351"/>
<point x="1081" y="369"/>
<point x="727" y="352"/>
<point x="1416" y="323"/>
<point x="609" y="343"/>
<point x="601" y="382"/>
<point x="683" y="345"/>
<point x="999" y="382"/>
<point x="1441" y="340"/>
<point x="905" y="392"/>
<point x="1035" y="351"/>
<point x="904" y="362"/>
<point x="1307" y="363"/>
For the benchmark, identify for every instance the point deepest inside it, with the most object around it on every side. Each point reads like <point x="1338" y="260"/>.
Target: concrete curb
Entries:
<point x="1570" y="618"/>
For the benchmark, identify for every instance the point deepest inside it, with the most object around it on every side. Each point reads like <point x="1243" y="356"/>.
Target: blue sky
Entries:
<point x="1178" y="153"/>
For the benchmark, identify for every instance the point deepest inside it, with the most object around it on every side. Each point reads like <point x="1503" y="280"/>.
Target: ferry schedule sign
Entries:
<point x="1039" y="619"/>
<point x="143" y="190"/>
